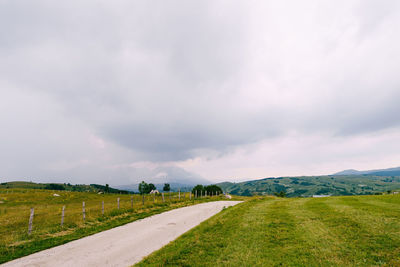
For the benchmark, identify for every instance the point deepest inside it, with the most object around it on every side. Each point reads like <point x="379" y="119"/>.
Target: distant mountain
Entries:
<point x="379" y="172"/>
<point x="348" y="172"/>
<point x="177" y="178"/>
<point x="173" y="186"/>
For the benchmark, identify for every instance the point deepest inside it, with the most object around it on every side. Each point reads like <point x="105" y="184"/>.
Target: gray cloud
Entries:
<point x="166" y="81"/>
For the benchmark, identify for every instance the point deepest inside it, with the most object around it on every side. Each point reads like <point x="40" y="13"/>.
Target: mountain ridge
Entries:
<point x="380" y="172"/>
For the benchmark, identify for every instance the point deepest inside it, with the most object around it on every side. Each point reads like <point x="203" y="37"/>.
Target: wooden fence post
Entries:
<point x="31" y="221"/>
<point x="179" y="192"/>
<point x="118" y="202"/>
<point x="143" y="199"/>
<point x="131" y="202"/>
<point x="184" y="193"/>
<point x="102" y="207"/>
<point x="169" y="194"/>
<point x="83" y="211"/>
<point x="154" y="198"/>
<point x="190" y="195"/>
<point x="195" y="194"/>
<point x="162" y="194"/>
<point x="62" y="216"/>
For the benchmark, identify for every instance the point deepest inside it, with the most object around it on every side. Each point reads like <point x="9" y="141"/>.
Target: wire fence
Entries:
<point x="34" y="214"/>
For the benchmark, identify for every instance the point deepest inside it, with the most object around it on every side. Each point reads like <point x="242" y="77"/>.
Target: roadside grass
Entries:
<point x="47" y="232"/>
<point x="267" y="231"/>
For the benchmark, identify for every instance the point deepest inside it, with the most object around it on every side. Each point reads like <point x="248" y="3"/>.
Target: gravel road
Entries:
<point x="125" y="245"/>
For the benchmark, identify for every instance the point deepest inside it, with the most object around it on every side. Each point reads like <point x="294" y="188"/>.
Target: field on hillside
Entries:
<point x="93" y="188"/>
<point x="267" y="231"/>
<point x="307" y="186"/>
<point x="15" y="205"/>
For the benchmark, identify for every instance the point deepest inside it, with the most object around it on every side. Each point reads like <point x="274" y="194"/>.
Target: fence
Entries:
<point x="33" y="212"/>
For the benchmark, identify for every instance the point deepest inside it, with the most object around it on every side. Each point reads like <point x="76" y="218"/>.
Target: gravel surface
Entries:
<point x="128" y="244"/>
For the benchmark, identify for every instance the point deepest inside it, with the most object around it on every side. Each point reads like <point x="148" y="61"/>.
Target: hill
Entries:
<point x="307" y="186"/>
<point x="380" y="172"/>
<point x="66" y="187"/>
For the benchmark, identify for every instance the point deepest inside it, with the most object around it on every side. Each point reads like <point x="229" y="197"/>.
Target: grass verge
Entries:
<point x="335" y="231"/>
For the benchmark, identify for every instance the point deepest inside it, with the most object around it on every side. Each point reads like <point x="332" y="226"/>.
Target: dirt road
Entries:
<point x="127" y="244"/>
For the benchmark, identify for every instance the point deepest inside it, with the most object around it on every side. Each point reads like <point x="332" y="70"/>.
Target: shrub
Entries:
<point x="55" y="187"/>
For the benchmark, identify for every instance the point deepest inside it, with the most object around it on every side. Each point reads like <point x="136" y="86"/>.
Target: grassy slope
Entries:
<point x="67" y="187"/>
<point x="315" y="185"/>
<point x="47" y="232"/>
<point x="335" y="231"/>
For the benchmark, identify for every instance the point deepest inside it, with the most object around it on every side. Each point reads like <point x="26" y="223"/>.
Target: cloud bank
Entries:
<point x="222" y="89"/>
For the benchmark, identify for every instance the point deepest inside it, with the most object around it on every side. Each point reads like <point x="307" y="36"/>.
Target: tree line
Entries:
<point x="210" y="189"/>
<point x="145" y="188"/>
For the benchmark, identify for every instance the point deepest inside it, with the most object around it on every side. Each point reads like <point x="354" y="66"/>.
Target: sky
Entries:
<point x="123" y="91"/>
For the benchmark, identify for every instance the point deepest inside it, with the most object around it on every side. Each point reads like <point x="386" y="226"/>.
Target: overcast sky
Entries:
<point x="121" y="91"/>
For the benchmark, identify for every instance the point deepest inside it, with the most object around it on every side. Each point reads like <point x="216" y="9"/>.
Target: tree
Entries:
<point x="144" y="188"/>
<point x="55" y="187"/>
<point x="151" y="187"/>
<point x="247" y="192"/>
<point x="166" y="188"/>
<point x="199" y="188"/>
<point x="280" y="194"/>
<point x="214" y="189"/>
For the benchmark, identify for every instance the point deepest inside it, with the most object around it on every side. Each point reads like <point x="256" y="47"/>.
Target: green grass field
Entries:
<point x="47" y="232"/>
<point x="266" y="231"/>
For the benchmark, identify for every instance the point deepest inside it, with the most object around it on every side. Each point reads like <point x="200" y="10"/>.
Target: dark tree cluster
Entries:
<point x="210" y="189"/>
<point x="55" y="187"/>
<point x="167" y="188"/>
<point x="280" y="194"/>
<point x="145" y="188"/>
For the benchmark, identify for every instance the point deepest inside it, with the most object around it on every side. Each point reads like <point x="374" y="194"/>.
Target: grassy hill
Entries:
<point x="315" y="185"/>
<point x="58" y="186"/>
<point x="269" y="231"/>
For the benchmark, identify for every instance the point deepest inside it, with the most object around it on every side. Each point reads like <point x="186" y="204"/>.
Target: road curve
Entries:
<point x="125" y="245"/>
